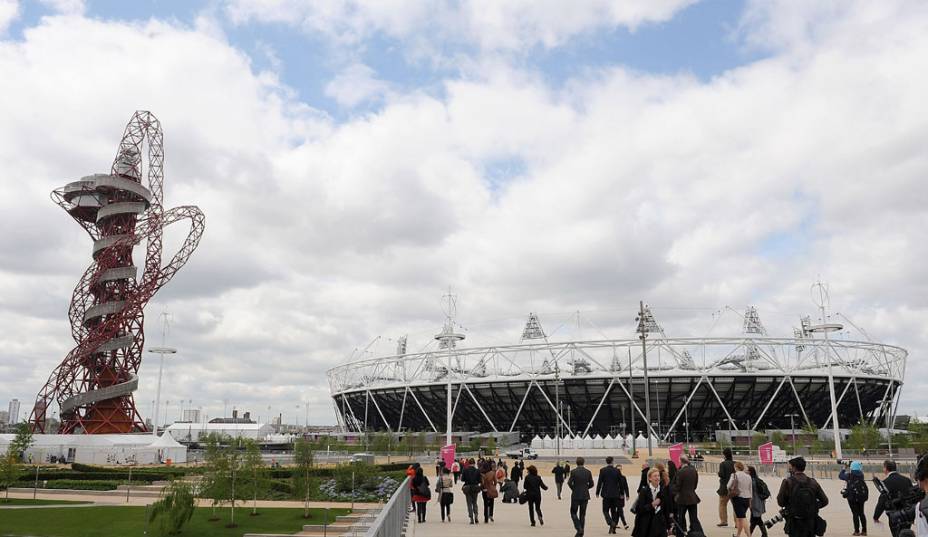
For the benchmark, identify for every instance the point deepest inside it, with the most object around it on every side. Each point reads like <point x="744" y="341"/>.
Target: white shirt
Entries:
<point x="921" y="524"/>
<point x="654" y="492"/>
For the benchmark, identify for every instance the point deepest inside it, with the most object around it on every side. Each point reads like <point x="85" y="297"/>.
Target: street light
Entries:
<point x="642" y="335"/>
<point x="162" y="351"/>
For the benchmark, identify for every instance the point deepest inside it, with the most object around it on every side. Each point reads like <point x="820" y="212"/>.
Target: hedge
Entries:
<point x="87" y="484"/>
<point x="70" y="475"/>
<point x="165" y="471"/>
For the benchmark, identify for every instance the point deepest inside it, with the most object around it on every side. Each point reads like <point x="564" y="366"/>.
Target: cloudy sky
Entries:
<point x="356" y="158"/>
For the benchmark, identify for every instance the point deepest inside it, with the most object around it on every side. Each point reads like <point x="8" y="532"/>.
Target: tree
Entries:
<point x="253" y="467"/>
<point x="10" y="470"/>
<point x="213" y="481"/>
<point x="778" y="439"/>
<point x="22" y="441"/>
<point x="757" y="439"/>
<point x="864" y="436"/>
<point x="303" y="459"/>
<point x="174" y="509"/>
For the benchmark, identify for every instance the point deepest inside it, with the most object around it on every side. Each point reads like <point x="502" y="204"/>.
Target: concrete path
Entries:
<point x="511" y="520"/>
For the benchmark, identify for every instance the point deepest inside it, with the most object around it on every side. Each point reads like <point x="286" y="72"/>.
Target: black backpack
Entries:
<point x="803" y="505"/>
<point x="857" y="490"/>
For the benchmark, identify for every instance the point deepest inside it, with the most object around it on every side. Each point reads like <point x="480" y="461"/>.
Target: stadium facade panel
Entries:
<point x="695" y="385"/>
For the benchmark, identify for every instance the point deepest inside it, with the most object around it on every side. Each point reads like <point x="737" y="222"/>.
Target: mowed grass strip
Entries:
<point x="130" y="521"/>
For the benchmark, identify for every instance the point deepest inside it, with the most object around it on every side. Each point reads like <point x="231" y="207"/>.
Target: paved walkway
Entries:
<point x="511" y="520"/>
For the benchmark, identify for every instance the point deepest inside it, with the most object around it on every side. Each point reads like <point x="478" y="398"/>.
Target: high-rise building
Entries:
<point x="192" y="415"/>
<point x="4" y="417"/>
<point x="13" y="411"/>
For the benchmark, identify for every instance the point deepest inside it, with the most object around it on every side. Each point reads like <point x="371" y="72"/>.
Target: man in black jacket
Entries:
<point x="580" y="483"/>
<point x="471" y="488"/>
<point x="559" y="473"/>
<point x="725" y="470"/>
<point x="685" y="498"/>
<point x="610" y="489"/>
<point x="801" y="524"/>
<point x="896" y="484"/>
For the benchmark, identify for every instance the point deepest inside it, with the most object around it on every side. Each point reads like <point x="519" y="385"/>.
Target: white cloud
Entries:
<point x="510" y="26"/>
<point x="356" y="84"/>
<point x="9" y="11"/>
<point x="321" y="236"/>
<point x="66" y="7"/>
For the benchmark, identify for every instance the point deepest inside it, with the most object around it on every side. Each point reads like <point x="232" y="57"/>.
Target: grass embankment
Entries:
<point x="30" y="501"/>
<point x="125" y="521"/>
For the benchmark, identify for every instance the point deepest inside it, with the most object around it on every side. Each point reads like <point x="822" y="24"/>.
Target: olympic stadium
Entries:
<point x="746" y="381"/>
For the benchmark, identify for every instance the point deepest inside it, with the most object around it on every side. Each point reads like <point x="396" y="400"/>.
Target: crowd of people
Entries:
<point x="665" y="501"/>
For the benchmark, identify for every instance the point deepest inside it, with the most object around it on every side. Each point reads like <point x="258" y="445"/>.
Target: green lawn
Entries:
<point x="130" y="521"/>
<point x="29" y="501"/>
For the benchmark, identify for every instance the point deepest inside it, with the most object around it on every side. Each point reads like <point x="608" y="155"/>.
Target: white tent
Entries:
<point x="537" y="442"/>
<point x="169" y="449"/>
<point x="611" y="442"/>
<point x="598" y="442"/>
<point x="586" y="442"/>
<point x="549" y="443"/>
<point x="103" y="449"/>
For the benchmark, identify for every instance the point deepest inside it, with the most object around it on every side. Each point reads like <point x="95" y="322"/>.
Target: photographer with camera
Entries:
<point x="896" y="486"/>
<point x="856" y="493"/>
<point x="802" y="497"/>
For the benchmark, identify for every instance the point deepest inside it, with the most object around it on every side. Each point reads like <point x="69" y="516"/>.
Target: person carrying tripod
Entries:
<point x="802" y="497"/>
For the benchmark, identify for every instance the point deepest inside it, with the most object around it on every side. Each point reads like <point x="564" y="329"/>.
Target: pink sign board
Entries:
<point x="447" y="455"/>
<point x="765" y="453"/>
<point x="675" y="451"/>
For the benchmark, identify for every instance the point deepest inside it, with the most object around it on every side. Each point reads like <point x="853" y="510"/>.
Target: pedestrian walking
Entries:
<point x="608" y="487"/>
<point x="532" y="489"/>
<point x="896" y="484"/>
<point x="758" y="502"/>
<point x="488" y="483"/>
<point x="856" y="493"/>
<point x="685" y="497"/>
<point x="579" y="483"/>
<point x="516" y="473"/>
<point x="456" y="471"/>
<point x="445" y="490"/>
<point x="559" y="472"/>
<point x="421" y="494"/>
<point x="625" y="496"/>
<point x="802" y="497"/>
<point x="651" y="516"/>
<point x="741" y="490"/>
<point x="726" y="469"/>
<point x="471" y="488"/>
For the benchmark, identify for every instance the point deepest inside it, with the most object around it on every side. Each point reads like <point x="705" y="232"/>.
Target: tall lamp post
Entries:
<point x="642" y="335"/>
<point x="792" y="426"/>
<point x="631" y="407"/>
<point x="825" y="328"/>
<point x="162" y="351"/>
<point x="448" y="340"/>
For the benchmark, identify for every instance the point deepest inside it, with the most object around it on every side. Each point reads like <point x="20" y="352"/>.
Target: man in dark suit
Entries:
<point x="684" y="486"/>
<point x="608" y="487"/>
<point x="896" y="484"/>
<point x="579" y="483"/>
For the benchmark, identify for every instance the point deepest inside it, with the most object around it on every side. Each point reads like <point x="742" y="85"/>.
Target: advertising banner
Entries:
<point x="447" y="455"/>
<point x="675" y="451"/>
<point x="765" y="453"/>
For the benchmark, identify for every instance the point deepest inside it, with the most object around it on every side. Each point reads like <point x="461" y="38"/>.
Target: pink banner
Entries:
<point x="675" y="451"/>
<point x="765" y="453"/>
<point x="447" y="455"/>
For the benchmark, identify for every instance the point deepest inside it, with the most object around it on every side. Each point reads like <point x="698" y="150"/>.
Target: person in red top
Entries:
<point x="420" y="487"/>
<point x="411" y="474"/>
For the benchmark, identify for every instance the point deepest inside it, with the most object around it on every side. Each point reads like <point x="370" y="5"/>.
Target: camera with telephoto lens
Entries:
<point x="900" y="507"/>
<point x="775" y="519"/>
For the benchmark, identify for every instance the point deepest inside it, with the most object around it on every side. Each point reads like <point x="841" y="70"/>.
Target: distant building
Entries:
<point x="192" y="415"/>
<point x="13" y="412"/>
<point x="4" y="417"/>
<point x="194" y="432"/>
<point x="246" y="418"/>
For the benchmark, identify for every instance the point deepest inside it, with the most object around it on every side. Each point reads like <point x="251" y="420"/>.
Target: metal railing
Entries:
<point x="391" y="520"/>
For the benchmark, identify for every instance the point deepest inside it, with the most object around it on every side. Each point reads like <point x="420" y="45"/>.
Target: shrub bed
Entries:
<point x="85" y="484"/>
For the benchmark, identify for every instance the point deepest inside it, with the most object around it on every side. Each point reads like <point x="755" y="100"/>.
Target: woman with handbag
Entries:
<point x="532" y="488"/>
<point x="421" y="494"/>
<point x="445" y="490"/>
<point x="741" y="490"/>
<point x="490" y="493"/>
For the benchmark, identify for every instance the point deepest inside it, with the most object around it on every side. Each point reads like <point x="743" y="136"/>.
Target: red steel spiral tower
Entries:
<point x="93" y="385"/>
